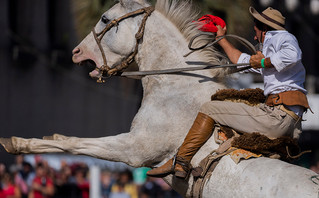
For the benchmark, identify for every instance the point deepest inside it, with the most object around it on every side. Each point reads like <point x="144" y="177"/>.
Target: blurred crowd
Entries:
<point x="23" y="180"/>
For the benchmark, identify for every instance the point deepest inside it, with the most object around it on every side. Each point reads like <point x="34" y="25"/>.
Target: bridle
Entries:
<point x="105" y="71"/>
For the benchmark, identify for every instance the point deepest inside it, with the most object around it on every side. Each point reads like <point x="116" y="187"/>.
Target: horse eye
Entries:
<point x="104" y="19"/>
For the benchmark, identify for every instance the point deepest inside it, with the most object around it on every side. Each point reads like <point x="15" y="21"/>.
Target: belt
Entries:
<point x="289" y="112"/>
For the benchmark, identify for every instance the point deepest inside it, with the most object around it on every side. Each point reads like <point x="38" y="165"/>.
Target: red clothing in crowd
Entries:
<point x="44" y="181"/>
<point x="85" y="189"/>
<point x="7" y="191"/>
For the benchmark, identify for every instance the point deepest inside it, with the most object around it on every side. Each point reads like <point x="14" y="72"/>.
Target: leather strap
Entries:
<point x="107" y="71"/>
<point x="288" y="98"/>
<point x="184" y="163"/>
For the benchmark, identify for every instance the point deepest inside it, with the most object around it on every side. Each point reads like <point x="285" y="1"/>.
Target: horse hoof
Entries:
<point x="7" y="145"/>
<point x="48" y="137"/>
<point x="59" y="137"/>
<point x="55" y="137"/>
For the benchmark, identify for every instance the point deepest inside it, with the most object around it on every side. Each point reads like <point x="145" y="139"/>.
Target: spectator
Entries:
<point x="151" y="189"/>
<point x="168" y="191"/>
<point x="120" y="192"/>
<point x="27" y="173"/>
<point x="50" y="172"/>
<point x="82" y="182"/>
<point x="18" y="165"/>
<point x="71" y="181"/>
<point x="8" y="189"/>
<point x="124" y="185"/>
<point x="18" y="180"/>
<point x="106" y="183"/>
<point x="65" y="184"/>
<point x="42" y="185"/>
<point x="22" y="185"/>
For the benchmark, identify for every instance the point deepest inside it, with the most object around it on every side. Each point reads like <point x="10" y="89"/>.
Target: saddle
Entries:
<point x="257" y="143"/>
<point x="242" y="145"/>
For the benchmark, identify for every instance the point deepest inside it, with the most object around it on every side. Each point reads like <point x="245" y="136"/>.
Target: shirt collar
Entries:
<point x="272" y="33"/>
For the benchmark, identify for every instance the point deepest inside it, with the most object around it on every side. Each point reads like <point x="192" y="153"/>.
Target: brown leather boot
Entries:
<point x="199" y="133"/>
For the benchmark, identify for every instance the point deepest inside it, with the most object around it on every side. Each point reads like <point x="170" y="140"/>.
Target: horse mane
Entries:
<point x="182" y="14"/>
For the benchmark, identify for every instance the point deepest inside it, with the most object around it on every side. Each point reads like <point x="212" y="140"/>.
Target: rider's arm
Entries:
<point x="287" y="51"/>
<point x="232" y="52"/>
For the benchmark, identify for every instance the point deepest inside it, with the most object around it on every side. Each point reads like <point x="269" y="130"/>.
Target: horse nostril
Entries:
<point x="76" y="51"/>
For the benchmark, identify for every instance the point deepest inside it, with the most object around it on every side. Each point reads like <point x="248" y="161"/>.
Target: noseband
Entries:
<point x="106" y="71"/>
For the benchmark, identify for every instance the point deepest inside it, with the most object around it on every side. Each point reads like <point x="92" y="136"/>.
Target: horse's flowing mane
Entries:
<point x="182" y="14"/>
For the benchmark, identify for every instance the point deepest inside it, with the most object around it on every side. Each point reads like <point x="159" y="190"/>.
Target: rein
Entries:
<point x="105" y="71"/>
<point x="204" y="66"/>
<point x="184" y="69"/>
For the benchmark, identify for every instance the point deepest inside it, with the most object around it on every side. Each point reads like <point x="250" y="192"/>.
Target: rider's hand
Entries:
<point x="221" y="31"/>
<point x="255" y="60"/>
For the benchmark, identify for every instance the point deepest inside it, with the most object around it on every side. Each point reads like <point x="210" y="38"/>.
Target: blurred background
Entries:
<point x="43" y="92"/>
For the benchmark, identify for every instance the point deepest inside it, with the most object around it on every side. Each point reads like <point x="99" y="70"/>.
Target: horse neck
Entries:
<point x="163" y="45"/>
<point x="178" y="97"/>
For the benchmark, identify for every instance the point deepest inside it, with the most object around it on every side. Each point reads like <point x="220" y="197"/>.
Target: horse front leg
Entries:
<point x="124" y="147"/>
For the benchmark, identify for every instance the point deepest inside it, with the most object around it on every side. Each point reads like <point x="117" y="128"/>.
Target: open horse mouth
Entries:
<point x="87" y="62"/>
<point x="95" y="74"/>
<point x="84" y="59"/>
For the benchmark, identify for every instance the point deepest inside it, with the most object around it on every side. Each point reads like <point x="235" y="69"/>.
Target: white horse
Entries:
<point x="169" y="106"/>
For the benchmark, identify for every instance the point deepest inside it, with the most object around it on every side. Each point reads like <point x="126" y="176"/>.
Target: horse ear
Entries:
<point x="128" y="3"/>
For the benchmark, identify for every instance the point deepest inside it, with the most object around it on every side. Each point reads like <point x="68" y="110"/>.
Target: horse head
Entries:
<point x="113" y="42"/>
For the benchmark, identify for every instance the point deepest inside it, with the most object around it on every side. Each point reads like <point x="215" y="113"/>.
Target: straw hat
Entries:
<point x="270" y="17"/>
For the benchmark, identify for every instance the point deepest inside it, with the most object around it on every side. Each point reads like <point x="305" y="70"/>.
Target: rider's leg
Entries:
<point x="269" y="121"/>
<point x="199" y="133"/>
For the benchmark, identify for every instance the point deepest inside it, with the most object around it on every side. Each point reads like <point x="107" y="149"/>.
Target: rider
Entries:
<point x="279" y="63"/>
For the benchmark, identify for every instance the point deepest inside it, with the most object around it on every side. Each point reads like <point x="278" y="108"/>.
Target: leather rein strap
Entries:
<point x="107" y="71"/>
<point x="202" y="66"/>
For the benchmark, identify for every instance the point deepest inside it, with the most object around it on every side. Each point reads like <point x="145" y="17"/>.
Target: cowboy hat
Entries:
<point x="270" y="17"/>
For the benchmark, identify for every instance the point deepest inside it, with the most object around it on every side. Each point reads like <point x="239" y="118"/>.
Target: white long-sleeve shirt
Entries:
<point x="288" y="73"/>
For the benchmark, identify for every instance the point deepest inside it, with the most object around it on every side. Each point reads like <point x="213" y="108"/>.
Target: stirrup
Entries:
<point x="186" y="166"/>
<point x="174" y="161"/>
